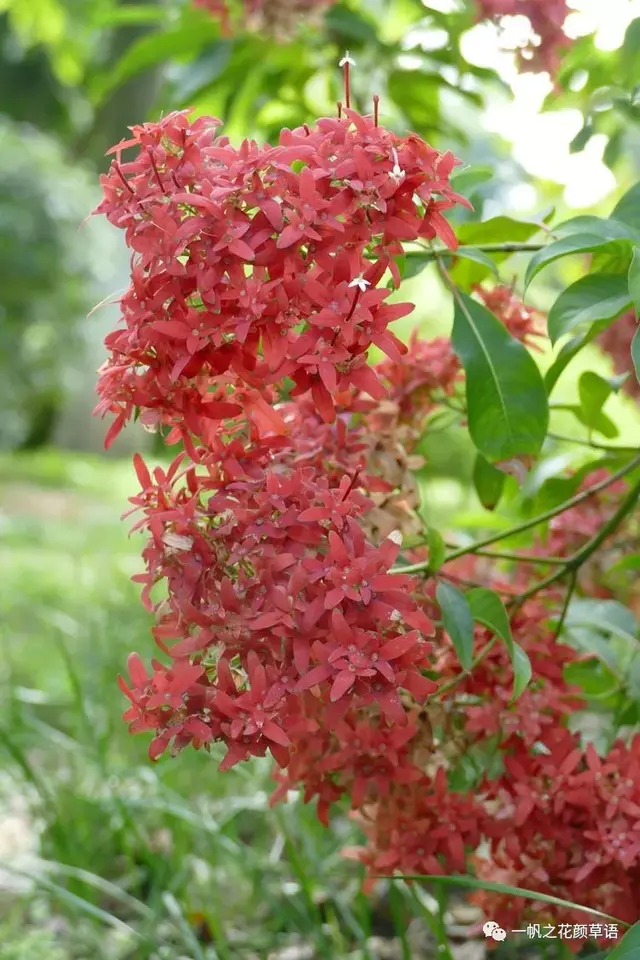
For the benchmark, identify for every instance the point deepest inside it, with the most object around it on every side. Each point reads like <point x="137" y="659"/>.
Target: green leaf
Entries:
<point x="417" y="95"/>
<point x="478" y="256"/>
<point x="414" y="263"/>
<point x="593" y="676"/>
<point x="627" y="210"/>
<point x="635" y="353"/>
<point x="489" y="482"/>
<point x="467" y="181"/>
<point x="506" y="399"/>
<point x="487" y="608"/>
<point x="153" y="48"/>
<point x="522" y="671"/>
<point x="602" y="423"/>
<point x="130" y="15"/>
<point x="629" y="946"/>
<point x="437" y="549"/>
<point x="608" y="229"/>
<point x="596" y="297"/>
<point x="570" y="350"/>
<point x="631" y="562"/>
<point x="472" y="883"/>
<point x="594" y="392"/>
<point x="497" y="230"/>
<point x="582" y="138"/>
<point x="572" y="244"/>
<point x="634" y="279"/>
<point x="457" y="620"/>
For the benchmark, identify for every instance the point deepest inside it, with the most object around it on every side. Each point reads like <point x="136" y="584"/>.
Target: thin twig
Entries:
<point x="517" y="557"/>
<point x="591" y="443"/>
<point x="567" y="600"/>
<point x="528" y="524"/>
<point x="579" y="558"/>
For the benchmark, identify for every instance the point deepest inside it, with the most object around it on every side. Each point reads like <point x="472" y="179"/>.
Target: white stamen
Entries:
<point x="361" y="283"/>
<point x="396" y="173"/>
<point x="347" y="59"/>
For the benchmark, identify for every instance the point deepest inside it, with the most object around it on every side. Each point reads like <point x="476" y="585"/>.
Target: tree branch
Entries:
<point x="423" y="567"/>
<point x="579" y="558"/>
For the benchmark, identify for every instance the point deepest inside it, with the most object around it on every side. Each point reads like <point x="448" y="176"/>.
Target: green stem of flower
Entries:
<point x="567" y="600"/>
<point x="437" y="252"/>
<point x="609" y="448"/>
<point x="573" y="564"/>
<point x="451" y="684"/>
<point x="423" y="566"/>
<point x="517" y="557"/>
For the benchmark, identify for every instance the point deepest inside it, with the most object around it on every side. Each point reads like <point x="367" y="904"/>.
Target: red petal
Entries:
<point x="398" y="645"/>
<point x="342" y="683"/>
<point x="273" y="732"/>
<point x="137" y="670"/>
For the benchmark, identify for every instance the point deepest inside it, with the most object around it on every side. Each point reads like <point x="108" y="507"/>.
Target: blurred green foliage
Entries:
<point x="47" y="264"/>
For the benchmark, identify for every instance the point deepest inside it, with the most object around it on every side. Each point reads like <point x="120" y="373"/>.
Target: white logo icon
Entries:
<point x="491" y="929"/>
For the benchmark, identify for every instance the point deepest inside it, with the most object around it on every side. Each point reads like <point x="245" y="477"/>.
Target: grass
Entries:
<point x="140" y="860"/>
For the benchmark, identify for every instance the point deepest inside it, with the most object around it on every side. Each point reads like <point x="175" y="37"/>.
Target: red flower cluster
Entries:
<point x="566" y="822"/>
<point x="255" y="271"/>
<point x="554" y="818"/>
<point x="616" y="342"/>
<point x="523" y="322"/>
<point x="237" y="252"/>
<point x="253" y="265"/>
<point x="547" y="18"/>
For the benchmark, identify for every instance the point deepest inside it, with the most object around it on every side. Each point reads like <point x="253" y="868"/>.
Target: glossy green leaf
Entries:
<point x="627" y="210"/>
<point x="506" y="399"/>
<point x="522" y="671"/>
<point x="488" y="609"/>
<point x="634" y="279"/>
<point x="472" y="883"/>
<point x="567" y="246"/>
<point x="594" y="678"/>
<point x="489" y="482"/>
<point x="478" y="256"/>
<point x="629" y="946"/>
<point x="594" y="391"/>
<point x="601" y="423"/>
<point x="635" y="353"/>
<point x="130" y="15"/>
<point x="631" y="562"/>
<point x="607" y="228"/>
<point x="467" y="181"/>
<point x="414" y="263"/>
<point x="497" y="230"/>
<point x="187" y="39"/>
<point x="457" y="621"/>
<point x="570" y="350"/>
<point x="592" y="298"/>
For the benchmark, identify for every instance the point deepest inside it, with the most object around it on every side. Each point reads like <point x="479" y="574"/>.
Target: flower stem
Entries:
<point x="579" y="558"/>
<point x="529" y="524"/>
<point x="450" y="684"/>
<point x="609" y="448"/>
<point x="518" y="557"/>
